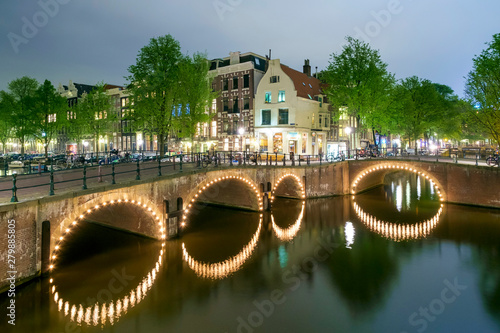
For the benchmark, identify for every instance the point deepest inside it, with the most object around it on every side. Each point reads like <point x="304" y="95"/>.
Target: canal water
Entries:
<point x="393" y="259"/>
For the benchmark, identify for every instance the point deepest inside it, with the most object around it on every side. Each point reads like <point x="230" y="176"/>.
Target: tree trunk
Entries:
<point x="161" y="142"/>
<point x="374" y="137"/>
<point x="22" y="147"/>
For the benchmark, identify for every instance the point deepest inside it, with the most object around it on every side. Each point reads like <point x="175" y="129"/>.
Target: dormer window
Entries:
<point x="274" y="79"/>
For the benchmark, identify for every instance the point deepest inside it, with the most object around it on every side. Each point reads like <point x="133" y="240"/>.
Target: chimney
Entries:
<point x="307" y="68"/>
<point x="234" y="58"/>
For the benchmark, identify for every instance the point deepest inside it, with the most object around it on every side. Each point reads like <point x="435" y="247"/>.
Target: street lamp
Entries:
<point x="85" y="144"/>
<point x="241" y="131"/>
<point x="348" y="131"/>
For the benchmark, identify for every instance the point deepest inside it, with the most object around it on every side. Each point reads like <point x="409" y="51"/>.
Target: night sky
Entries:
<point x="89" y="41"/>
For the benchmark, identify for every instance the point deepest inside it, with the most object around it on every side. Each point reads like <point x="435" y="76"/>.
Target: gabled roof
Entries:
<point x="306" y="86"/>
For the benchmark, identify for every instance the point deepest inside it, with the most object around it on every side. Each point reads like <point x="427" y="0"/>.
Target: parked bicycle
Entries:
<point x="207" y="160"/>
<point x="493" y="160"/>
<point x="256" y="159"/>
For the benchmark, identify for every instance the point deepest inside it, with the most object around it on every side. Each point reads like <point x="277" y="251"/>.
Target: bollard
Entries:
<point x="14" y="188"/>
<point x="113" y="174"/>
<point x="299" y="159"/>
<point x="159" y="166"/>
<point x="99" y="174"/>
<point x="51" y="190"/>
<point x="84" y="186"/>
<point x="180" y="163"/>
<point x="231" y="158"/>
<point x="275" y="159"/>
<point x="267" y="158"/>
<point x="138" y="176"/>
<point x="476" y="159"/>
<point x="308" y="160"/>
<point x="284" y="160"/>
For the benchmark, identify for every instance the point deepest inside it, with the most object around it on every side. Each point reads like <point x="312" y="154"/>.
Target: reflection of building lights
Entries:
<point x="349" y="234"/>
<point x="114" y="310"/>
<point x="220" y="270"/>
<point x="290" y="232"/>
<point x="396" y="231"/>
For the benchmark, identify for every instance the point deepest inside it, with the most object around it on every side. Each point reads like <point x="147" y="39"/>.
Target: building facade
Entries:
<point x="292" y="114"/>
<point x="236" y="78"/>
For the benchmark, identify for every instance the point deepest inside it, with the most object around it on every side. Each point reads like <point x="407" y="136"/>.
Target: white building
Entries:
<point x="291" y="114"/>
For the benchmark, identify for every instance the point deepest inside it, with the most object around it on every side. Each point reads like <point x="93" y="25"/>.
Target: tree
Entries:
<point x="416" y="108"/>
<point x="358" y="80"/>
<point x="5" y="127"/>
<point x="195" y="95"/>
<point x="94" y="114"/>
<point x="50" y="113"/>
<point x="482" y="88"/>
<point x="154" y="87"/>
<point x="19" y="102"/>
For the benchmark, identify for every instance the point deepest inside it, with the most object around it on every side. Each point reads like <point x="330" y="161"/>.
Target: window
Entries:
<point x="235" y="82"/>
<point x="235" y="106"/>
<point x="281" y="96"/>
<point x="225" y="104"/>
<point x="266" y="117"/>
<point x="320" y="101"/>
<point x="268" y="97"/>
<point x="225" y="84"/>
<point x="320" y="120"/>
<point x="283" y="117"/>
<point x="225" y="125"/>
<point x="235" y="125"/>
<point x="246" y="103"/>
<point x="246" y="80"/>
<point x="214" y="129"/>
<point x="52" y="118"/>
<point x="274" y="79"/>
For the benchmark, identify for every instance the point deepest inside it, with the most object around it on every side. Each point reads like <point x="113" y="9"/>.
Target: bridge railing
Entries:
<point x="77" y="172"/>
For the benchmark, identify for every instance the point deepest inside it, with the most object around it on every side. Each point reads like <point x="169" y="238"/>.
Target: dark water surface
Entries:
<point x="390" y="260"/>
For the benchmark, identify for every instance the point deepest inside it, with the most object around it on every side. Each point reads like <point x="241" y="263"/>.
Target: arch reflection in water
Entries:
<point x="222" y="269"/>
<point x="102" y="313"/>
<point x="290" y="232"/>
<point x="395" y="231"/>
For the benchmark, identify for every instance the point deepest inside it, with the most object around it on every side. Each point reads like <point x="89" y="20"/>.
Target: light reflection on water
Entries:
<point x="335" y="274"/>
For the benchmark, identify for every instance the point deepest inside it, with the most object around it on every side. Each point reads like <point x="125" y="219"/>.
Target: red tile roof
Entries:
<point x="305" y="85"/>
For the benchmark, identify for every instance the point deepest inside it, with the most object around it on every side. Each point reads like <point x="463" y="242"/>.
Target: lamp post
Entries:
<point x="241" y="131"/>
<point x="348" y="131"/>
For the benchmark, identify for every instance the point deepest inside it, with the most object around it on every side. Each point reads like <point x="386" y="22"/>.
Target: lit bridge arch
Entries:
<point x="297" y="181"/>
<point x="386" y="167"/>
<point x="102" y="313"/>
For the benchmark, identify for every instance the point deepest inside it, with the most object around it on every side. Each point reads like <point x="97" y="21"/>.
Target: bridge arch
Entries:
<point x="67" y="225"/>
<point x="383" y="168"/>
<point x="299" y="192"/>
<point x="208" y="184"/>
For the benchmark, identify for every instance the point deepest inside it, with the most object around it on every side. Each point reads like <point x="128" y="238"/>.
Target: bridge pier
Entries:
<point x="266" y="201"/>
<point x="174" y="219"/>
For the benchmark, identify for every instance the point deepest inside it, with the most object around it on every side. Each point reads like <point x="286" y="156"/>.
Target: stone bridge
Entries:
<point x="160" y="207"/>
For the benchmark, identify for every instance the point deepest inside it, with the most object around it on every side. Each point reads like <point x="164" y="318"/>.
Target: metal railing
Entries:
<point x="85" y="170"/>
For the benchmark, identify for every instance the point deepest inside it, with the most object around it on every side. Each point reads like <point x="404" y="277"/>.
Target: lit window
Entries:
<point x="268" y="97"/>
<point x="281" y="96"/>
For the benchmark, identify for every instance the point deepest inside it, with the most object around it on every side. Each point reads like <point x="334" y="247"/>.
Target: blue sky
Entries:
<point x="89" y="41"/>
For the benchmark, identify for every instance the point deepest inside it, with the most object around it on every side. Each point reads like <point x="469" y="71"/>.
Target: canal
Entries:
<point x="393" y="259"/>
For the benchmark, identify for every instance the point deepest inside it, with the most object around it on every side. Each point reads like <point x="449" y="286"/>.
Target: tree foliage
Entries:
<point x="170" y="92"/>
<point x="19" y="105"/>
<point x="417" y="108"/>
<point x="154" y="87"/>
<point x="358" y="79"/>
<point x="49" y="113"/>
<point x="482" y="88"/>
<point x="94" y="116"/>
<point x="195" y="95"/>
